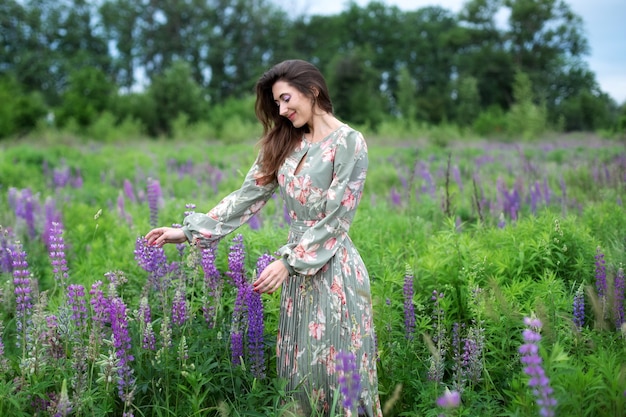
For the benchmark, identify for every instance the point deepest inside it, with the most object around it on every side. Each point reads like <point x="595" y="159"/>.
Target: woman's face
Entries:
<point x="292" y="104"/>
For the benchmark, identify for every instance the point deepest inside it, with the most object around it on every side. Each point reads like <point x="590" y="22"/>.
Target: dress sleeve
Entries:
<point x="230" y="213"/>
<point x="320" y="243"/>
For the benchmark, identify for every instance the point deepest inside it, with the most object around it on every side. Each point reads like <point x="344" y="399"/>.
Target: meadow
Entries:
<point x="497" y="273"/>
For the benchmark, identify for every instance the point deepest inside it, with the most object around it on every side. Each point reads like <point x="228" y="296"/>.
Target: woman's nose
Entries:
<point x="282" y="109"/>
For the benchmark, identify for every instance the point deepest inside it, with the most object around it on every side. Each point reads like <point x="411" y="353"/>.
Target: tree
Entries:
<point x="543" y="35"/>
<point x="355" y="87"/>
<point x="87" y="96"/>
<point x="173" y="93"/>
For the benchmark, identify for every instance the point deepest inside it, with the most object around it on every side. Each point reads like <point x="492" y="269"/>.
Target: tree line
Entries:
<point x="153" y="61"/>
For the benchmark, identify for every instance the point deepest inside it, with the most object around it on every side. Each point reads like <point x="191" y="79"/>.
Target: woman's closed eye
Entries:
<point x="285" y="98"/>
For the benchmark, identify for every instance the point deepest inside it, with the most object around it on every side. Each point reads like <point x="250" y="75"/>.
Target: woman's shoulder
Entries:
<point x="352" y="139"/>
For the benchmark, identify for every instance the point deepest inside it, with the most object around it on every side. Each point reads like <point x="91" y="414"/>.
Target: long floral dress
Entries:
<point x="326" y="303"/>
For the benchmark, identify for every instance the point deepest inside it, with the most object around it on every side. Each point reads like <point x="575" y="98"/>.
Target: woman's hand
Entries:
<point x="271" y="278"/>
<point x="162" y="235"/>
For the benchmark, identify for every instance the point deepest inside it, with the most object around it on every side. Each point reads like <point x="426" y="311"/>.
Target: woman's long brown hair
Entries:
<point x="280" y="137"/>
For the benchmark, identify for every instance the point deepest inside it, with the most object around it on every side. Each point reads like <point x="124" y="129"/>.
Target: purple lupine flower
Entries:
<point x="255" y="222"/>
<point x="148" y="340"/>
<point x="530" y="357"/>
<point x="255" y="334"/>
<point x="129" y="192"/>
<point x="236" y="346"/>
<point x="99" y="303"/>
<point x="212" y="285"/>
<point x="236" y="259"/>
<point x="23" y="293"/>
<point x="600" y="273"/>
<point x="121" y="210"/>
<point x="578" y="307"/>
<point x="55" y="347"/>
<point x="122" y="344"/>
<point x="409" y="309"/>
<point x="154" y="195"/>
<point x="348" y="378"/>
<point x="61" y="176"/>
<point x="238" y="319"/>
<point x="56" y="248"/>
<point x="457" y="366"/>
<point x="78" y="305"/>
<point x="24" y="206"/>
<point x="449" y="399"/>
<point x="51" y="215"/>
<point x="618" y="298"/>
<point x="100" y="316"/>
<point x="396" y="198"/>
<point x="180" y="310"/>
<point x="6" y="248"/>
<point x="471" y="359"/>
<point x="263" y="262"/>
<point x="153" y="260"/>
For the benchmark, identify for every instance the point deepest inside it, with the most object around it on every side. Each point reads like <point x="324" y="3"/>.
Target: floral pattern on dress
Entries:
<point x="326" y="301"/>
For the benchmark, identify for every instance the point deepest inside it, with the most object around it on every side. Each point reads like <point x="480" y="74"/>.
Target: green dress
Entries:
<point x="326" y="303"/>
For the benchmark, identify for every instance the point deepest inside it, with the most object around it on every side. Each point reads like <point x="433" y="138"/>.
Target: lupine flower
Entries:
<point x="24" y="206"/>
<point x="238" y="319"/>
<point x="236" y="258"/>
<point x="348" y="378"/>
<point x="255" y="334"/>
<point x="129" y="192"/>
<point x="6" y="248"/>
<point x="449" y="399"/>
<point x="121" y="209"/>
<point x="212" y="285"/>
<point x="471" y="359"/>
<point x="538" y="381"/>
<point x="263" y="262"/>
<point x="255" y="222"/>
<point x="396" y="198"/>
<point x="78" y="305"/>
<point x="122" y="344"/>
<point x="236" y="346"/>
<point x="145" y="321"/>
<point x="183" y="350"/>
<point x="56" y="249"/>
<point x="180" y="312"/>
<point x="409" y="309"/>
<point x="23" y="293"/>
<point x="579" y="308"/>
<point x="51" y="216"/>
<point x="153" y="261"/>
<point x="457" y="366"/>
<point x="154" y="195"/>
<point x="618" y="298"/>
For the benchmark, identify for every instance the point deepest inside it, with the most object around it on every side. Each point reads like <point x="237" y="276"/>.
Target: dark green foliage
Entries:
<point x="422" y="66"/>
<point x="20" y="112"/>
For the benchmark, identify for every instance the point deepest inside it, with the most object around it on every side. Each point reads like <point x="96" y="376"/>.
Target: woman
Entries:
<point x="319" y="164"/>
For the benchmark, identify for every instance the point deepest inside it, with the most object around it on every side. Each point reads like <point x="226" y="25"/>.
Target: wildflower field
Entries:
<point x="497" y="281"/>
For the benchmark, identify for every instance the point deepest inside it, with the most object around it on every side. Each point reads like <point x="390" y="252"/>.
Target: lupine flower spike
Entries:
<point x="538" y="381"/>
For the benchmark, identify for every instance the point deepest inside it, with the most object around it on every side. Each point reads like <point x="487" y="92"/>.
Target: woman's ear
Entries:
<point x="315" y="91"/>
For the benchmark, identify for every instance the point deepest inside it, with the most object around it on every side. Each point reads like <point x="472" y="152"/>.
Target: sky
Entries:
<point x="603" y="23"/>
